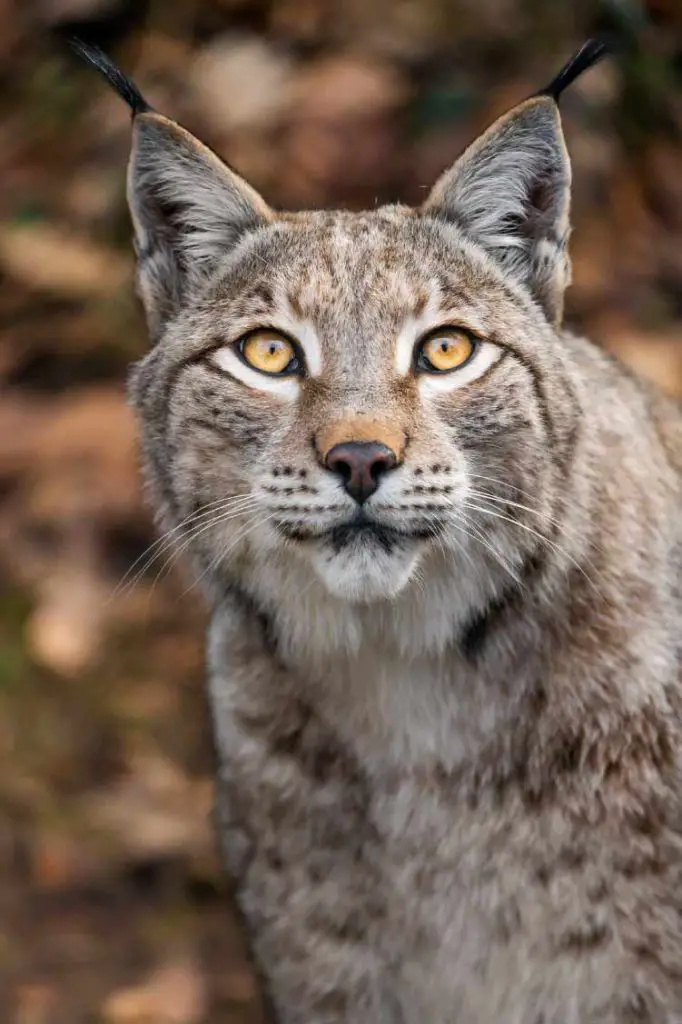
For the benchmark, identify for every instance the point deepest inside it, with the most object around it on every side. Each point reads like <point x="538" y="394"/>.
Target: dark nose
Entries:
<point x="360" y="464"/>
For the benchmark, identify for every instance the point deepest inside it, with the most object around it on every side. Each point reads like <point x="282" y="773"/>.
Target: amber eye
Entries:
<point x="269" y="352"/>
<point x="445" y="349"/>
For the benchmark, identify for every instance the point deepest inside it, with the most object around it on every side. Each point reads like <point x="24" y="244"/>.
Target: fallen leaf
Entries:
<point x="175" y="993"/>
<point x="49" y="259"/>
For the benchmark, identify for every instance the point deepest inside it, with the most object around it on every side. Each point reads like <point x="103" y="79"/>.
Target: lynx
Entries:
<point x="440" y="538"/>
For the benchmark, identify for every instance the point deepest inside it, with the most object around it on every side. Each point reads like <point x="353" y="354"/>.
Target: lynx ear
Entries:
<point x="510" y="190"/>
<point x="188" y="208"/>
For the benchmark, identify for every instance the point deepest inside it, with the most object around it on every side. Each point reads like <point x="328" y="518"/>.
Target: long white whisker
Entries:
<point x="154" y="550"/>
<point x="568" y="531"/>
<point x="217" y="520"/>
<point x="474" y="533"/>
<point x="500" y="483"/>
<point x="188" y="535"/>
<point x="224" y="552"/>
<point x="515" y="504"/>
<point x="529" y="529"/>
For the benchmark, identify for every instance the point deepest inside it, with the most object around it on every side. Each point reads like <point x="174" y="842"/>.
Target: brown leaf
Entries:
<point x="175" y="993"/>
<point x="155" y="810"/>
<point x="52" y="260"/>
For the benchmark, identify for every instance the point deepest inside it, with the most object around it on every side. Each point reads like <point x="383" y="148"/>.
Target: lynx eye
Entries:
<point x="270" y="353"/>
<point x="444" y="350"/>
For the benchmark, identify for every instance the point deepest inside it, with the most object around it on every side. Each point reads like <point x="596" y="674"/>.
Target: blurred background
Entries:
<point x="112" y="906"/>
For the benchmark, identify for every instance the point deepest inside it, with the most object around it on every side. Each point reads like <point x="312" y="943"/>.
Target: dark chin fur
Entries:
<point x="360" y="531"/>
<point x="364" y="532"/>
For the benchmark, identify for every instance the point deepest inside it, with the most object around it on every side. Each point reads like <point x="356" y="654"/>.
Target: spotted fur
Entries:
<point x="448" y="723"/>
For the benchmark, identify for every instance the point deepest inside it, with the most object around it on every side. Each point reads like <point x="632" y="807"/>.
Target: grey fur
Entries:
<point x="449" y="786"/>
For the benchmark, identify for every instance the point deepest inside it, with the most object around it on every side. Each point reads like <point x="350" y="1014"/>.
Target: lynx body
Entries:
<point x="441" y="541"/>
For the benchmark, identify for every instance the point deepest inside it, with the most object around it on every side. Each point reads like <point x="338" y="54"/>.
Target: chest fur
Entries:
<point x="473" y="902"/>
<point x="382" y="808"/>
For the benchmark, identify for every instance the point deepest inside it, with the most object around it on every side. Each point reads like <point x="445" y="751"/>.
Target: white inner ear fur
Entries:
<point x="511" y="192"/>
<point x="227" y="359"/>
<point x="484" y="357"/>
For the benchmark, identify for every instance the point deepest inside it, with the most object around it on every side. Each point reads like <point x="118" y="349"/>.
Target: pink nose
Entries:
<point x="360" y="464"/>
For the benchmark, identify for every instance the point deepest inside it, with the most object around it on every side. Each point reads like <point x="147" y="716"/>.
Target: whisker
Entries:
<point x="536" y="533"/>
<point x="474" y="533"/>
<point x="215" y="562"/>
<point x="500" y="483"/>
<point x="263" y="261"/>
<point x="189" y="539"/>
<point x="520" y="490"/>
<point x="564" y="527"/>
<point x="541" y="514"/>
<point x="477" y="536"/>
<point x="166" y="537"/>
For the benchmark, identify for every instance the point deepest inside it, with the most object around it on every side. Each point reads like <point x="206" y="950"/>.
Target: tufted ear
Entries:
<point x="510" y="190"/>
<point x="188" y="207"/>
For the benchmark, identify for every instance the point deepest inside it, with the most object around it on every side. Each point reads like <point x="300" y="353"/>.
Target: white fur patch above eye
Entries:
<point x="485" y="356"/>
<point x="305" y="334"/>
<point x="413" y="329"/>
<point x="226" y="359"/>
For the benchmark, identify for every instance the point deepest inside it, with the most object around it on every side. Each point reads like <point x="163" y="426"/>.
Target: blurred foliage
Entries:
<point x="112" y="907"/>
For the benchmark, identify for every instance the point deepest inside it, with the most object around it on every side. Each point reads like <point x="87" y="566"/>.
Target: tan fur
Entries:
<point x="448" y="721"/>
<point x="361" y="428"/>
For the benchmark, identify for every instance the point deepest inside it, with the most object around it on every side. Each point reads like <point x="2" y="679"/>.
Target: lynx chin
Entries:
<point x="440" y="537"/>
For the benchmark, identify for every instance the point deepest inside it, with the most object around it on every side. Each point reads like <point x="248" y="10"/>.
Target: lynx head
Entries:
<point x="361" y="392"/>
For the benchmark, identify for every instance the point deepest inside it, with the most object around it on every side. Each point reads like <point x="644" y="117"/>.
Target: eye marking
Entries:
<point x="262" y="359"/>
<point x="444" y="350"/>
<point x="450" y="357"/>
<point x="270" y="352"/>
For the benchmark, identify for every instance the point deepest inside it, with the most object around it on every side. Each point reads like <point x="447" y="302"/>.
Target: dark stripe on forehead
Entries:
<point x="262" y="293"/>
<point x="295" y="304"/>
<point x="420" y="302"/>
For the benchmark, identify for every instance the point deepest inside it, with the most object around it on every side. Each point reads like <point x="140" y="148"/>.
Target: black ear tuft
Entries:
<point x="98" y="60"/>
<point x="589" y="54"/>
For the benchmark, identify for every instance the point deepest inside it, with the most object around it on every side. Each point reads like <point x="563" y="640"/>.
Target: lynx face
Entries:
<point x="359" y="408"/>
<point x="365" y="393"/>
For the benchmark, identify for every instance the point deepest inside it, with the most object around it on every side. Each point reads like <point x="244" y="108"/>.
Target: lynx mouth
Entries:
<point x="363" y="531"/>
<point x="360" y="531"/>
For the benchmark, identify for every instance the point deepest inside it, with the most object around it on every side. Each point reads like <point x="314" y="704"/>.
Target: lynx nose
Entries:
<point x="360" y="464"/>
